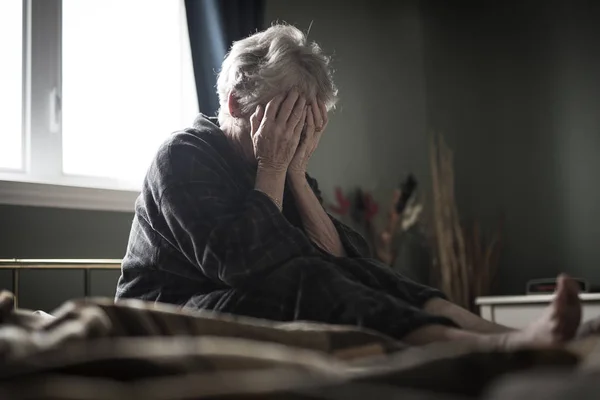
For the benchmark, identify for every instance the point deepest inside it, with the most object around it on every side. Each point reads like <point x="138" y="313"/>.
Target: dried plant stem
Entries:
<point x="465" y="265"/>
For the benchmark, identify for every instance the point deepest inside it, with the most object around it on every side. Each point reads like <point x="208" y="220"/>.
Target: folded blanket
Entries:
<point x="144" y="350"/>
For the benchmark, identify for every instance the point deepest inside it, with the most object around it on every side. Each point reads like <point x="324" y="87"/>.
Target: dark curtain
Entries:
<point x="213" y="26"/>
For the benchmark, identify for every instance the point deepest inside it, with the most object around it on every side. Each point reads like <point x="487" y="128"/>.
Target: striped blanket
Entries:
<point x="95" y="349"/>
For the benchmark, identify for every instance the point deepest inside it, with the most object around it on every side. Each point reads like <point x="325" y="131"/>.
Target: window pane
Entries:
<point x="127" y="84"/>
<point x="11" y="83"/>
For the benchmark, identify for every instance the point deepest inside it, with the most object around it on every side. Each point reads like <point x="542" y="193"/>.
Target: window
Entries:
<point x="11" y="84"/>
<point x="112" y="80"/>
<point x="124" y="86"/>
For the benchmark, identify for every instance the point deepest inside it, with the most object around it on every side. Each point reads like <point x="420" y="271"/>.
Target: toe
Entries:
<point x="570" y="289"/>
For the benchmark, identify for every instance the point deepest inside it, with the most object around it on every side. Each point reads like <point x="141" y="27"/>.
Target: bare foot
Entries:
<point x="558" y="324"/>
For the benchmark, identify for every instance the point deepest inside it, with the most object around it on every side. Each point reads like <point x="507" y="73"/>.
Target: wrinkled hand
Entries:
<point x="316" y="121"/>
<point x="276" y="130"/>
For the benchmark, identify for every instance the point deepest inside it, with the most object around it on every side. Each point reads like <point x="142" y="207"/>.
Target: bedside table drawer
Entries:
<point x="517" y="316"/>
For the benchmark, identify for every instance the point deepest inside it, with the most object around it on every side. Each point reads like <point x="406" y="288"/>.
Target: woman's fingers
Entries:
<point x="260" y="112"/>
<point x="310" y="129"/>
<point x="310" y="121"/>
<point x="273" y="107"/>
<point x="300" y="126"/>
<point x="297" y="139"/>
<point x="256" y="119"/>
<point x="287" y="106"/>
<point x="318" y="118"/>
<point x="316" y="135"/>
<point x="323" y="114"/>
<point x="296" y="114"/>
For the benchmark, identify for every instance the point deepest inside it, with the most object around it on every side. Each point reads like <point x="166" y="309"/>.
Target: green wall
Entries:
<point x="377" y="134"/>
<point x="515" y="88"/>
<point x="35" y="232"/>
<point x="43" y="233"/>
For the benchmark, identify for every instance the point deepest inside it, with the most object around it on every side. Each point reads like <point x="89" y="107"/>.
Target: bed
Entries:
<point x="95" y="349"/>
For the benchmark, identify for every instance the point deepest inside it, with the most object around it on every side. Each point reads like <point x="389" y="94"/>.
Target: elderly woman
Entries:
<point x="229" y="220"/>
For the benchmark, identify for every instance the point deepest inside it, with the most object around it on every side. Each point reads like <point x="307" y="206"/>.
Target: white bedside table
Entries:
<point x="519" y="311"/>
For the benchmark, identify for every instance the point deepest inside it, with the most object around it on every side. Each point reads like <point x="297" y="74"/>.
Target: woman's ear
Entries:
<point x="233" y="105"/>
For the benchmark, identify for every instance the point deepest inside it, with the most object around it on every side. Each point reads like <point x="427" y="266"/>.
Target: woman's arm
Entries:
<point x="328" y="233"/>
<point x="316" y="222"/>
<point x="233" y="240"/>
<point x="232" y="236"/>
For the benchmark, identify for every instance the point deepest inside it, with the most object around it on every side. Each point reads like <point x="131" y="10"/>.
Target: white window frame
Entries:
<point x="41" y="182"/>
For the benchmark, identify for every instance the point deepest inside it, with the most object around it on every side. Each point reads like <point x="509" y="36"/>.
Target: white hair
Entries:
<point x="270" y="62"/>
